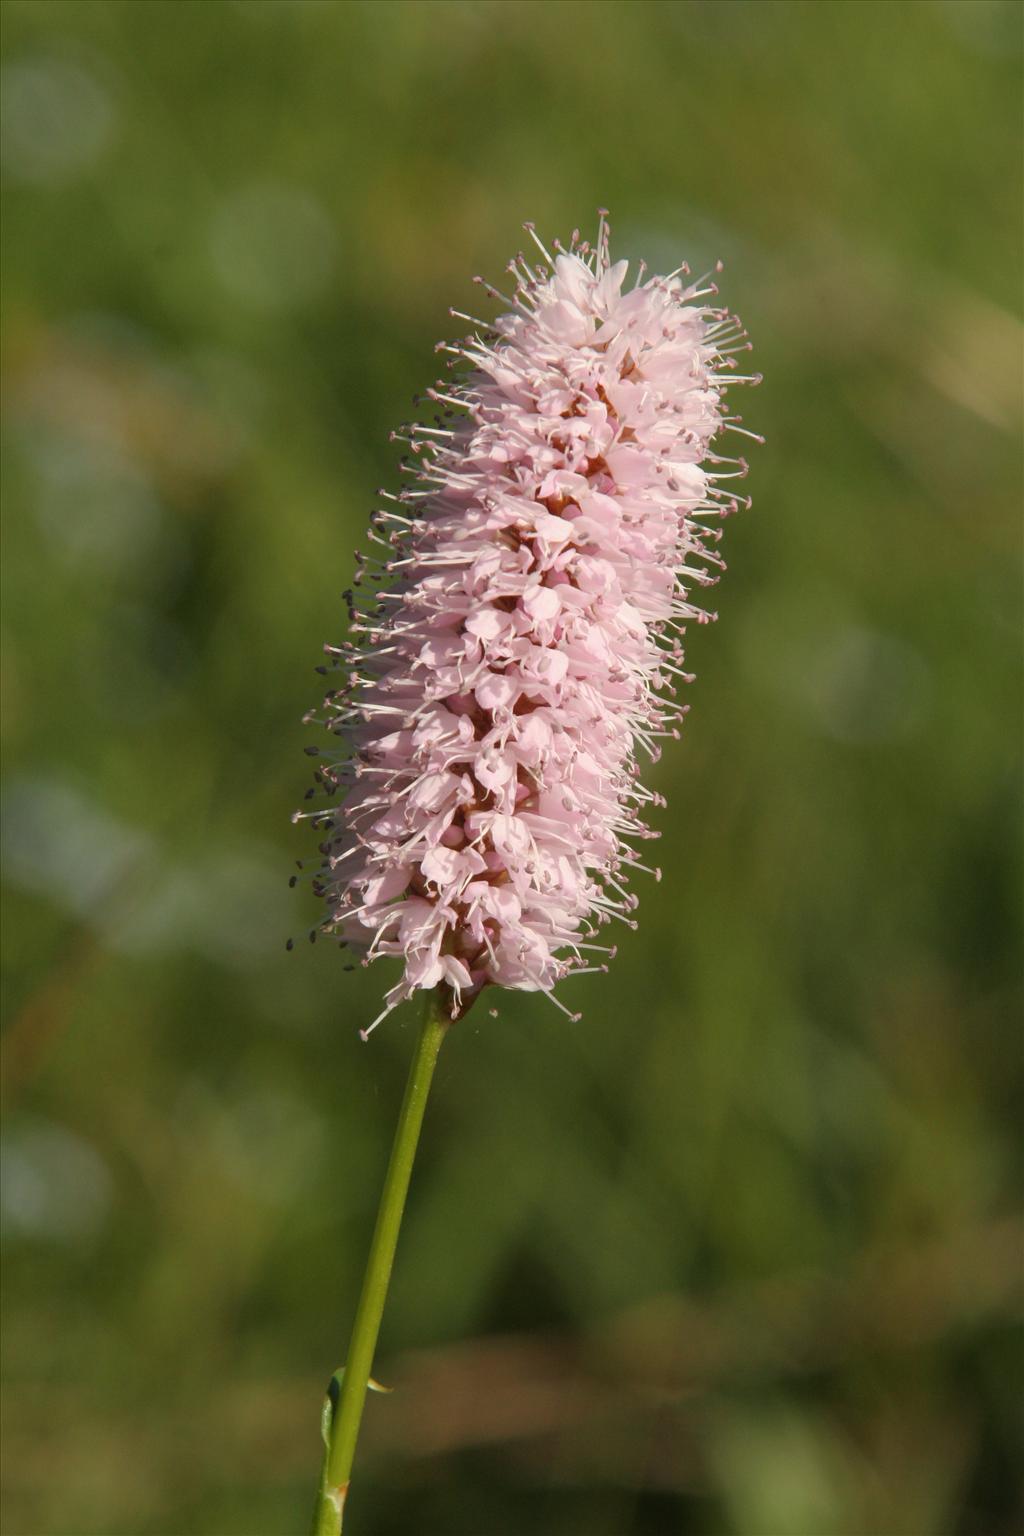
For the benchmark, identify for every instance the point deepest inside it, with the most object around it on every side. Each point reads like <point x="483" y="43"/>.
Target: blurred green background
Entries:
<point x="739" y="1253"/>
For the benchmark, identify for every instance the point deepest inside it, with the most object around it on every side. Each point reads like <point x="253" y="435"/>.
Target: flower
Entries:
<point x="524" y="637"/>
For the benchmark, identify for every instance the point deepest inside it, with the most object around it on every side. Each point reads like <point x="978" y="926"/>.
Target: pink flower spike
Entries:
<point x="522" y="637"/>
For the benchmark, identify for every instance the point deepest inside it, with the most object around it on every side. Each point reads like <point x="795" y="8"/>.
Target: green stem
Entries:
<point x="341" y="1428"/>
